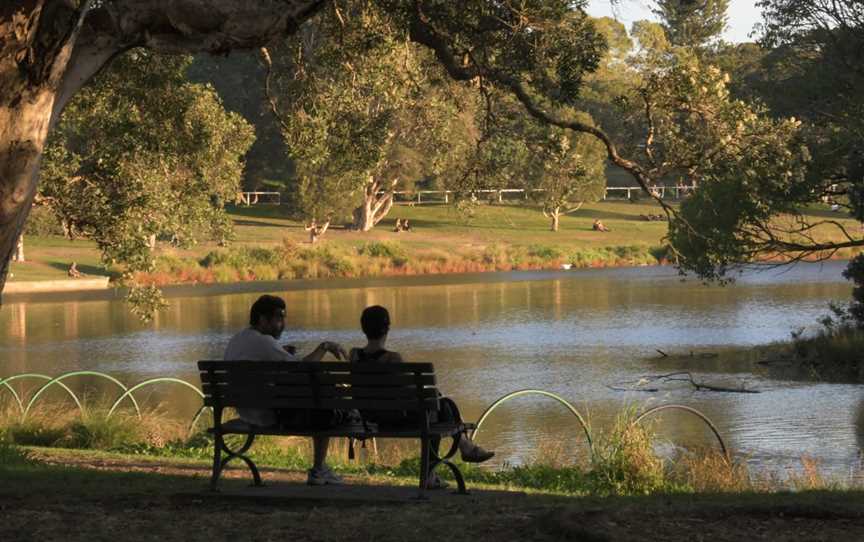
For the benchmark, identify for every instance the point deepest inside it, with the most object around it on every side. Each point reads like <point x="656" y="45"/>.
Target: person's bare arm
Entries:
<point x="327" y="346"/>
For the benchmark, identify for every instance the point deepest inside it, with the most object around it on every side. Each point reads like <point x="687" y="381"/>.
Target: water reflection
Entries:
<point x="572" y="333"/>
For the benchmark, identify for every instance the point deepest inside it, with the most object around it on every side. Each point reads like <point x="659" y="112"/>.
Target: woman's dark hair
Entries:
<point x="375" y="322"/>
<point x="266" y="306"/>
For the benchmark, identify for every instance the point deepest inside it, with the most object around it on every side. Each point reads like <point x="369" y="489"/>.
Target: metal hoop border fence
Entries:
<point x="585" y="427"/>
<point x="544" y="393"/>
<point x="127" y="392"/>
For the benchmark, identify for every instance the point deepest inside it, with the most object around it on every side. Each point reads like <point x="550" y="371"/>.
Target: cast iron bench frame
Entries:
<point x="382" y="387"/>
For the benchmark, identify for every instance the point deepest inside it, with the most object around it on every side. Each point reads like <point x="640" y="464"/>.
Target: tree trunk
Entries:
<point x="374" y="207"/>
<point x="49" y="49"/>
<point x="555" y="215"/>
<point x="19" y="250"/>
<point x="316" y="230"/>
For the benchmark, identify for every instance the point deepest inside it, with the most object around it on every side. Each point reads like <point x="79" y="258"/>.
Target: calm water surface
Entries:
<point x="574" y="333"/>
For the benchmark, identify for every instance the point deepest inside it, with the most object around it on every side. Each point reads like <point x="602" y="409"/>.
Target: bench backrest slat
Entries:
<point x="322" y="385"/>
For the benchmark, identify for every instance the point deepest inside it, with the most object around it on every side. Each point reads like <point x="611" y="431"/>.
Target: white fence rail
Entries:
<point x="408" y="197"/>
<point x="413" y="197"/>
<point x="259" y="198"/>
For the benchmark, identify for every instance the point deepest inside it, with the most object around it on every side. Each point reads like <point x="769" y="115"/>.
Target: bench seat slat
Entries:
<point x="274" y="377"/>
<point x="377" y="379"/>
<point x="308" y="366"/>
<point x="255" y="401"/>
<point x="265" y="393"/>
<point x="239" y="427"/>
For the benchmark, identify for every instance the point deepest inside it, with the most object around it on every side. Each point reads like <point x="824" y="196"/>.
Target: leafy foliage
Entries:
<point x="363" y="110"/>
<point x="692" y="23"/>
<point x="143" y="154"/>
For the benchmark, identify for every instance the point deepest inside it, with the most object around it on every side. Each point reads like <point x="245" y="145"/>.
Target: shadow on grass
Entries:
<point x="261" y="223"/>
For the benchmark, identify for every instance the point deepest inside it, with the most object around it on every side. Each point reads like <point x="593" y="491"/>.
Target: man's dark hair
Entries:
<point x="266" y="306"/>
<point x="375" y="322"/>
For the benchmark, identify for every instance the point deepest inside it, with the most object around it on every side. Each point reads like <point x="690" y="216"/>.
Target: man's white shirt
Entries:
<point x="252" y="345"/>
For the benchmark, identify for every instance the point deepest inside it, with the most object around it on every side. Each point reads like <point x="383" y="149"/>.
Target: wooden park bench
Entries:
<point x="379" y="387"/>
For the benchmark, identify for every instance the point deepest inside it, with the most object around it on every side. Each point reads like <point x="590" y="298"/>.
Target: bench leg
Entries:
<point x="457" y="474"/>
<point x="425" y="454"/>
<point x="219" y="463"/>
<point x="218" y="444"/>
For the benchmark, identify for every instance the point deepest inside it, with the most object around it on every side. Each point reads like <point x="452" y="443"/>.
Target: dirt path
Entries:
<point x="103" y="498"/>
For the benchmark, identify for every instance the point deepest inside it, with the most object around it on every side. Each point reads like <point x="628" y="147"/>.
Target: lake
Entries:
<point x="575" y="333"/>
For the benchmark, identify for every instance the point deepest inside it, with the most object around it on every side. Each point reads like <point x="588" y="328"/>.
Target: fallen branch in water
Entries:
<point x="681" y="376"/>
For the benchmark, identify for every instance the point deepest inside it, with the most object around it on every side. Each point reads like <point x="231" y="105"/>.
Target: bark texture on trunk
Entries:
<point x="316" y="230"/>
<point x="19" y="250"/>
<point x="556" y="220"/>
<point x="375" y="206"/>
<point x="50" y="48"/>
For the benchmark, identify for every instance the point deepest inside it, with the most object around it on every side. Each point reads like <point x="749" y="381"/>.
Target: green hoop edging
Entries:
<point x="14" y="394"/>
<point x="197" y="417"/>
<point x="58" y="380"/>
<point x="561" y="400"/>
<point x="24" y="411"/>
<point x="691" y="410"/>
<point x="147" y="383"/>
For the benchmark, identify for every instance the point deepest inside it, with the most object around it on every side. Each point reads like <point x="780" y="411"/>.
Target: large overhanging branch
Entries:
<point x="49" y="49"/>
<point x="423" y="33"/>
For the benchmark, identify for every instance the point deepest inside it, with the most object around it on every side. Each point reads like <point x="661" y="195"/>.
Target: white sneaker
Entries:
<point x="323" y="477"/>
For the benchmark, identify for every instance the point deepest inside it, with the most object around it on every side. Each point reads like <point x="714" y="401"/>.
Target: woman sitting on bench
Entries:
<point x="375" y="322"/>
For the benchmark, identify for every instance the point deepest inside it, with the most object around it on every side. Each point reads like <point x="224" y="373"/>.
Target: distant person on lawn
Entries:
<point x="375" y="322"/>
<point x="259" y="342"/>
<point x="599" y="226"/>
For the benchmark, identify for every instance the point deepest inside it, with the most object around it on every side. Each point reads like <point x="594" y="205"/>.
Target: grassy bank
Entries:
<point x="831" y="354"/>
<point x="268" y="246"/>
<point x="78" y="496"/>
<point x="497" y="237"/>
<point x="624" y="461"/>
<point x="74" y="494"/>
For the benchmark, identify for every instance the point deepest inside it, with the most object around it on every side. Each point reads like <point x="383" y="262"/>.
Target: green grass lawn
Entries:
<point x="78" y="496"/>
<point x="440" y="224"/>
<point x="433" y="226"/>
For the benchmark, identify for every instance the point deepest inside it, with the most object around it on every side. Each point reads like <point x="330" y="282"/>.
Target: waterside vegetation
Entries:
<point x="625" y="460"/>
<point x="268" y="246"/>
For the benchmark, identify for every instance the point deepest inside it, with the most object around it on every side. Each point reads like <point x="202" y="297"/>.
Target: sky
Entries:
<point x="743" y="14"/>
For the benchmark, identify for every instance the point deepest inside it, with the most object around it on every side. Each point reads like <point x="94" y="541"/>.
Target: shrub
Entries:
<point x="98" y="432"/>
<point x="265" y="272"/>
<point x="43" y="221"/>
<point x="624" y="462"/>
<point x="495" y="254"/>
<point x="544" y="252"/>
<point x="35" y="433"/>
<point x="224" y="273"/>
<point x="241" y="258"/>
<point x="381" y="249"/>
<point x="11" y="455"/>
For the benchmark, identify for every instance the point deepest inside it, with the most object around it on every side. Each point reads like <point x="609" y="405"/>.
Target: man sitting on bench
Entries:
<point x="259" y="342"/>
<point x="375" y="322"/>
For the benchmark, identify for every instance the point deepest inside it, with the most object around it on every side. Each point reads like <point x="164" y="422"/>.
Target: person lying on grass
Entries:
<point x="259" y="342"/>
<point x="375" y="322"/>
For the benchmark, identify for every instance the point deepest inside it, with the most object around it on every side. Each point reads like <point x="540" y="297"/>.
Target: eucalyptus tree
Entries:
<point x="538" y="51"/>
<point x="812" y="71"/>
<point x="692" y="23"/>
<point x="124" y="178"/>
<point x="568" y="171"/>
<point x="363" y="111"/>
<point x="49" y="49"/>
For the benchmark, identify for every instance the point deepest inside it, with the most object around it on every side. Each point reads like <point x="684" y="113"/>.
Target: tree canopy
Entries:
<point x="143" y="154"/>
